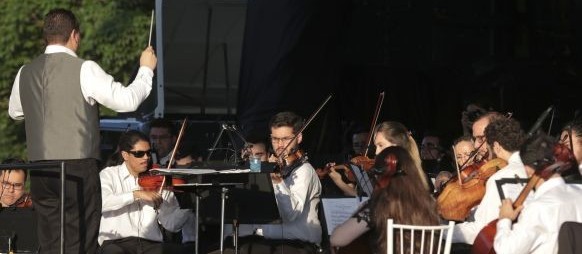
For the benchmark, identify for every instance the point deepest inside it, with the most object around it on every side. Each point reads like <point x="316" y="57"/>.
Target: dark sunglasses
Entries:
<point x="139" y="154"/>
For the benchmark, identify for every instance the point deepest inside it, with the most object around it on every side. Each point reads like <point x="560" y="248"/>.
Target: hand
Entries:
<point x="506" y="210"/>
<point x="276" y="178"/>
<point x="148" y="58"/>
<point x="149" y="196"/>
<point x="272" y="159"/>
<point x="334" y="175"/>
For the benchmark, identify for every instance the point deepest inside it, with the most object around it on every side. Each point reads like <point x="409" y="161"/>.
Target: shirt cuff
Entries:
<point x="146" y="70"/>
<point x="503" y="224"/>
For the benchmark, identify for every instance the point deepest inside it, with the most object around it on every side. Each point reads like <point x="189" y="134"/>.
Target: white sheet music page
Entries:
<point x="338" y="210"/>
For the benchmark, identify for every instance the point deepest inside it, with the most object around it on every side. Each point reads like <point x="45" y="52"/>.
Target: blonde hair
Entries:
<point x="396" y="133"/>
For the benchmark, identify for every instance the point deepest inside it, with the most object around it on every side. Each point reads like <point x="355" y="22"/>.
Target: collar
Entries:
<point x="548" y="185"/>
<point x="514" y="158"/>
<point x="55" y="48"/>
<point x="123" y="171"/>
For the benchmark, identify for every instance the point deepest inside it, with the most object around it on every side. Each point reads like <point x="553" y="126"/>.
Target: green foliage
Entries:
<point x="113" y="33"/>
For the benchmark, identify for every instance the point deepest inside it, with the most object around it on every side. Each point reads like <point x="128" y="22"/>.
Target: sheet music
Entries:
<point x="338" y="210"/>
<point x="511" y="188"/>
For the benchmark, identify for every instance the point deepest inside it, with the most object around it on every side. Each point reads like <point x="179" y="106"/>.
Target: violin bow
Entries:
<point x="374" y="121"/>
<point x="171" y="161"/>
<point x="457" y="164"/>
<point x="305" y="125"/>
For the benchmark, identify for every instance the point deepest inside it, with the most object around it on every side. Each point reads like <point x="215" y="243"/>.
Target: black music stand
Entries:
<point x="244" y="190"/>
<point x="44" y="166"/>
<point x="18" y="230"/>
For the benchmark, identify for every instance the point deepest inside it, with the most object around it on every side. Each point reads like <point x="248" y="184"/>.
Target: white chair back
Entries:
<point x="433" y="235"/>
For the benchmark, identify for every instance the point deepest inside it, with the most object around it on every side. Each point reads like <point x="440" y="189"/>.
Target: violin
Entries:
<point x="342" y="169"/>
<point x="151" y="181"/>
<point x="364" y="162"/>
<point x="289" y="162"/>
<point x="459" y="197"/>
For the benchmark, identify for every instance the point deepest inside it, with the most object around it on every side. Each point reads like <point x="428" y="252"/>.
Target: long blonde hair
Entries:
<point x="397" y="133"/>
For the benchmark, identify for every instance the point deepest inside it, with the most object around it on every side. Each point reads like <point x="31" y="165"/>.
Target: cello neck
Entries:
<point x="526" y="190"/>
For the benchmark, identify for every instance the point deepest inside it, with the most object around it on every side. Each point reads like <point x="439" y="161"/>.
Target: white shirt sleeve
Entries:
<point x="98" y="86"/>
<point x="171" y="217"/>
<point x="292" y="200"/>
<point x="516" y="241"/>
<point x="14" y="105"/>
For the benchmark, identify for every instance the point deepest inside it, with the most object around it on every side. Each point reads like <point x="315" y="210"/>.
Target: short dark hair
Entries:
<point x="126" y="142"/>
<point x="538" y="152"/>
<point x="58" y="25"/>
<point x="287" y="119"/>
<point x="14" y="161"/>
<point x="575" y="125"/>
<point x="164" y="124"/>
<point x="507" y="132"/>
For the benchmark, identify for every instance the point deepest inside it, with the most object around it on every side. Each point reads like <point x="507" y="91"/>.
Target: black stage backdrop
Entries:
<point x="430" y="58"/>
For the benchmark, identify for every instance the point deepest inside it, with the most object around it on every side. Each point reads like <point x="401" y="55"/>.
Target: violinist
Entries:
<point x="571" y="137"/>
<point x="297" y="191"/>
<point x="131" y="215"/>
<point x="12" y="192"/>
<point x="395" y="196"/>
<point x="463" y="149"/>
<point x="504" y="137"/>
<point x="554" y="202"/>
<point x="390" y="133"/>
<point x="163" y="137"/>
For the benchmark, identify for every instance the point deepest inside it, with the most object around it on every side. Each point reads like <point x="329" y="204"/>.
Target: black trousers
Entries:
<point x="82" y="207"/>
<point x="131" y="245"/>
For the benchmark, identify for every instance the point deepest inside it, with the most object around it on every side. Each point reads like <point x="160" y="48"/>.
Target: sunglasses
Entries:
<point x="140" y="154"/>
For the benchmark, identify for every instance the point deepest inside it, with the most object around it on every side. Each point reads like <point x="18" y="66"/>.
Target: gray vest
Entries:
<point x="60" y="124"/>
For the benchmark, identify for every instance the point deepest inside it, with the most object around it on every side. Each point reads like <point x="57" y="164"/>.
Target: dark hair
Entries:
<point x="58" y="25"/>
<point x="538" y="152"/>
<point x="14" y="161"/>
<point x="575" y="125"/>
<point x="164" y="124"/>
<point x="402" y="197"/>
<point x="126" y="142"/>
<point x="507" y="132"/>
<point x="463" y="138"/>
<point x="287" y="119"/>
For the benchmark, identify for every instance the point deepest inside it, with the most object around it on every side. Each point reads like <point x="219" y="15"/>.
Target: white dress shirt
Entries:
<point x="538" y="224"/>
<point x="488" y="209"/>
<point x="123" y="216"/>
<point x="297" y="198"/>
<point x="96" y="86"/>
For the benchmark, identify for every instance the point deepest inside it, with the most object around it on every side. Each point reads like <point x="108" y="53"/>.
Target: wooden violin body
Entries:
<point x="458" y="198"/>
<point x="149" y="181"/>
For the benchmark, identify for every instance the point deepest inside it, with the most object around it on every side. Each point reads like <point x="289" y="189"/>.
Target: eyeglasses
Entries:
<point x="140" y="154"/>
<point x="15" y="186"/>
<point x="284" y="139"/>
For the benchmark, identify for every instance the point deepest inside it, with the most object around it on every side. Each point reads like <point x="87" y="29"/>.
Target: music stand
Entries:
<point x="244" y="190"/>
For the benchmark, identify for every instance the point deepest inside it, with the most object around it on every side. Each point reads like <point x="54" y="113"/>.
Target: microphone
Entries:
<point x="539" y="122"/>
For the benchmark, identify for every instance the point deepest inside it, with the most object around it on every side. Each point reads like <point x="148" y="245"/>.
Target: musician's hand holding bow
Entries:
<point x="506" y="210"/>
<point x="149" y="196"/>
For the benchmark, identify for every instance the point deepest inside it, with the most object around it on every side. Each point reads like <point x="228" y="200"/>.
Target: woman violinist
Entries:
<point x="396" y="196"/>
<point x="130" y="215"/>
<point x="504" y="136"/>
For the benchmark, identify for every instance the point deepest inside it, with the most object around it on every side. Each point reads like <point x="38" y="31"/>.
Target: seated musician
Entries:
<point x="504" y="137"/>
<point x="12" y="182"/>
<point x="297" y="191"/>
<point x="554" y="202"/>
<point x="130" y="215"/>
<point x="572" y="132"/>
<point x="462" y="149"/>
<point x="397" y="177"/>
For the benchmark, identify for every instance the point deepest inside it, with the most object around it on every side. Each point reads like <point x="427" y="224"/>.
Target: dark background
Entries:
<point x="243" y="61"/>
